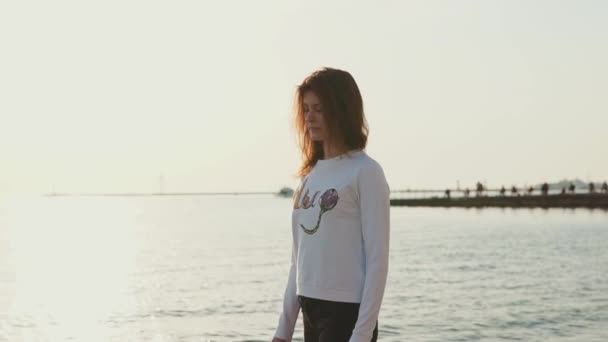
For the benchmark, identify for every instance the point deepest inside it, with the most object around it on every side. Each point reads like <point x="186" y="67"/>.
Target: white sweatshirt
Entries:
<point x="340" y="229"/>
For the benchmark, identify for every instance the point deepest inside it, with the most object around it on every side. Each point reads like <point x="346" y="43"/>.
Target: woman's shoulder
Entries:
<point x="369" y="170"/>
<point x="370" y="177"/>
<point x="368" y="164"/>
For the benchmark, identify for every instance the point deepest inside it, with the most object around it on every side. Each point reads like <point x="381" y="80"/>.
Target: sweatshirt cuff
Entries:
<point x="282" y="338"/>
<point x="283" y="334"/>
<point x="360" y="338"/>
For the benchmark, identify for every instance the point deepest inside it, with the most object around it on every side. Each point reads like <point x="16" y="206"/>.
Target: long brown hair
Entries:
<point x="342" y="107"/>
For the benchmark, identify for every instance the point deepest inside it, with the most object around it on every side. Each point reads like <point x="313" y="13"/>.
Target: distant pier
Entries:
<point x="542" y="196"/>
<point x="588" y="200"/>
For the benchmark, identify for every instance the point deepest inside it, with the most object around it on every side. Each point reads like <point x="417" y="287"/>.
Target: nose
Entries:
<point x="308" y="116"/>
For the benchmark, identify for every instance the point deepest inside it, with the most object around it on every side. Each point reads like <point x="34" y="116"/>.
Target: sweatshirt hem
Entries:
<point x="347" y="296"/>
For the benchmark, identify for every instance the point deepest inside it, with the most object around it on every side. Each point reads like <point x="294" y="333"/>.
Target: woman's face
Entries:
<point x="313" y="117"/>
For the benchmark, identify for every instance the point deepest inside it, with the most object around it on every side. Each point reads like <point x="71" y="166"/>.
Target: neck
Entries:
<point x="330" y="150"/>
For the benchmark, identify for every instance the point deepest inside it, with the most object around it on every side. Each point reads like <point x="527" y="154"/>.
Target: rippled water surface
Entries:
<point x="214" y="269"/>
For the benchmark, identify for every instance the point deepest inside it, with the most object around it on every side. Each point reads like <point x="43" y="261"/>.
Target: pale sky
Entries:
<point x="107" y="95"/>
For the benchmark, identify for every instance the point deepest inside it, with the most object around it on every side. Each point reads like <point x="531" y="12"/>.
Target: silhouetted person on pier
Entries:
<point x="530" y="190"/>
<point x="605" y="188"/>
<point x="467" y="192"/>
<point x="447" y="193"/>
<point x="572" y="187"/>
<point x="502" y="191"/>
<point x="545" y="189"/>
<point x="563" y="190"/>
<point x="591" y="188"/>
<point x="514" y="191"/>
<point x="480" y="189"/>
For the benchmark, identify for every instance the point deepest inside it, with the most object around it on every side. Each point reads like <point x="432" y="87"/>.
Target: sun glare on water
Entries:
<point x="70" y="268"/>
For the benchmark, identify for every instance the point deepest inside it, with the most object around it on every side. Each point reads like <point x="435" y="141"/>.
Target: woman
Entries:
<point x="340" y="219"/>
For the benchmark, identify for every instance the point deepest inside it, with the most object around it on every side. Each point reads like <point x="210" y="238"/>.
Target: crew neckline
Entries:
<point x="351" y="153"/>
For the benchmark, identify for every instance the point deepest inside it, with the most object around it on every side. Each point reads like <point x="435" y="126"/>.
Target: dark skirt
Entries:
<point x="329" y="321"/>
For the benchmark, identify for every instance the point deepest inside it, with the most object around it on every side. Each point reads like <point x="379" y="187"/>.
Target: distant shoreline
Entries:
<point x="586" y="200"/>
<point x="143" y="194"/>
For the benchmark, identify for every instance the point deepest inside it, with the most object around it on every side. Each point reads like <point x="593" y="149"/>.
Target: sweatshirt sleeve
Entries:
<point x="374" y="201"/>
<point x="291" y="306"/>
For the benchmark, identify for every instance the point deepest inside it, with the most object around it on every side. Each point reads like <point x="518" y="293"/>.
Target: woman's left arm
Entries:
<point x="374" y="201"/>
